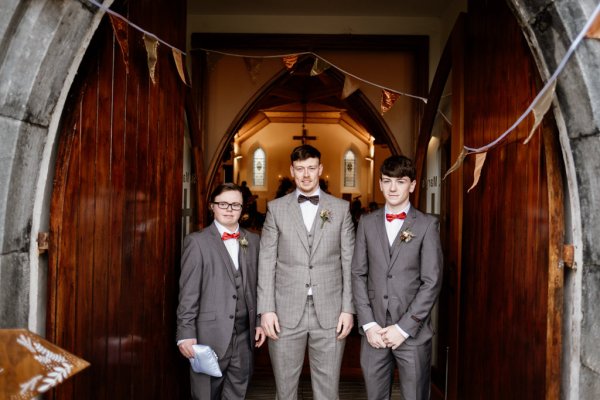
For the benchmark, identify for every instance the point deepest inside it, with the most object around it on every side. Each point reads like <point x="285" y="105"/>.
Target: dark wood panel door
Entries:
<point x="511" y="281"/>
<point x="116" y="220"/>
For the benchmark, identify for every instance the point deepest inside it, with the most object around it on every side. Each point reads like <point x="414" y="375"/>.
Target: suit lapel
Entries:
<point x="379" y="221"/>
<point x="296" y="214"/>
<point x="406" y="226"/>
<point x="324" y="204"/>
<point x="222" y="250"/>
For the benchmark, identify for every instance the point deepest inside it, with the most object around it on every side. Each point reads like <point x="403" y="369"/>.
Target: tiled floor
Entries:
<point x="263" y="388"/>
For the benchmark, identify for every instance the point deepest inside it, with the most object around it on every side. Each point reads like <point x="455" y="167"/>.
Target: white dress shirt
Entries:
<point x="309" y="212"/>
<point x="232" y="245"/>
<point x="392" y="229"/>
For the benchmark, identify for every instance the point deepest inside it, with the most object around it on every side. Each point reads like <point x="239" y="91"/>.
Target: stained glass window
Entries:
<point x="349" y="169"/>
<point x="259" y="170"/>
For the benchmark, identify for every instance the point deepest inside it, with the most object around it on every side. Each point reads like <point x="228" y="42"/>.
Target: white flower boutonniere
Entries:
<point x="406" y="236"/>
<point x="243" y="243"/>
<point x="325" y="216"/>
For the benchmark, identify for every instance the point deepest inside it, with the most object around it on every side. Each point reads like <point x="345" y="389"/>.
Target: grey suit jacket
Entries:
<point x="406" y="282"/>
<point x="288" y="265"/>
<point x="207" y="288"/>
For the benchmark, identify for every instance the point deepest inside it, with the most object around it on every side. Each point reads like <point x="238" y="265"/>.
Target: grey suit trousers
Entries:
<point x="325" y="354"/>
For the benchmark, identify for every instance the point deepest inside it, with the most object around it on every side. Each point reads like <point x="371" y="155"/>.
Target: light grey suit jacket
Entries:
<point x="288" y="265"/>
<point x="406" y="282"/>
<point x="207" y="288"/>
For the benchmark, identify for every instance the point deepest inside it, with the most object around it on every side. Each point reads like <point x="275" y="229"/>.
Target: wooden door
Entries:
<point x="116" y="217"/>
<point x="512" y="227"/>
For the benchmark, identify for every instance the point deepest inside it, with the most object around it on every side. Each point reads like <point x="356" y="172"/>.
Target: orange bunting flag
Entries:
<point x="540" y="108"/>
<point x="457" y="163"/>
<point x="351" y="85"/>
<point x="120" y="30"/>
<point x="253" y="67"/>
<point x="178" y="58"/>
<point x="290" y="61"/>
<point x="318" y="67"/>
<point x="387" y="100"/>
<point x="151" y="48"/>
<point x="594" y="31"/>
<point x="479" y="161"/>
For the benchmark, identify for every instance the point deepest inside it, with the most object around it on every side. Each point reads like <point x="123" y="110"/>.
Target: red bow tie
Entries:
<point x="227" y="236"/>
<point x="391" y="217"/>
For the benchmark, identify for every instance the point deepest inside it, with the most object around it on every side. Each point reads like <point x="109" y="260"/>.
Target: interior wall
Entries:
<point x="332" y="141"/>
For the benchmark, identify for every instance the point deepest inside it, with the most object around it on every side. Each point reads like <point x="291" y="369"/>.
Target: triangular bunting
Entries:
<point x="212" y="59"/>
<point x="253" y="66"/>
<point x="479" y="161"/>
<point x="541" y="108"/>
<point x="388" y="99"/>
<point x="151" y="43"/>
<point x="318" y="67"/>
<point x="457" y="163"/>
<point x="594" y="31"/>
<point x="178" y="58"/>
<point x="120" y="30"/>
<point x="351" y="85"/>
<point x="290" y="61"/>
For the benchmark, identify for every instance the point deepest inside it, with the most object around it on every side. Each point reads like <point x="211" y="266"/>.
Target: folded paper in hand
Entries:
<point x="205" y="361"/>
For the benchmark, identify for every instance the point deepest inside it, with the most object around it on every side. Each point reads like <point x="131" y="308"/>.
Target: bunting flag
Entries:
<point x="479" y="160"/>
<point x="457" y="163"/>
<point x="318" y="67"/>
<point x="351" y="85"/>
<point x="540" y="108"/>
<point x="594" y="31"/>
<point x="212" y="59"/>
<point x="120" y="30"/>
<point x="253" y="66"/>
<point x="388" y="99"/>
<point x="151" y="48"/>
<point x="178" y="58"/>
<point x="290" y="61"/>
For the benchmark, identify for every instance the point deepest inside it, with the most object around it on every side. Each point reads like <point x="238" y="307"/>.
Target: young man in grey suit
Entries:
<point x="304" y="282"/>
<point x="217" y="298"/>
<point x="396" y="279"/>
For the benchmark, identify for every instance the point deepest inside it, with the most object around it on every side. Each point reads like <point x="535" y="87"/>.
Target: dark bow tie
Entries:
<point x="391" y="217"/>
<point x="227" y="236"/>
<point x="313" y="199"/>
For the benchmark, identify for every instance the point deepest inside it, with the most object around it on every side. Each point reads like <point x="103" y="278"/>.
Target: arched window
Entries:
<point x="258" y="167"/>
<point x="349" y="169"/>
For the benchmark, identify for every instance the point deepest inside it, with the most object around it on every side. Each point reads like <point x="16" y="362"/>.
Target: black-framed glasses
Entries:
<point x="223" y="205"/>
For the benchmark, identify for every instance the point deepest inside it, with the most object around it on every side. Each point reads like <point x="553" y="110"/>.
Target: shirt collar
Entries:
<point x="406" y="209"/>
<point x="315" y="193"/>
<point x="222" y="229"/>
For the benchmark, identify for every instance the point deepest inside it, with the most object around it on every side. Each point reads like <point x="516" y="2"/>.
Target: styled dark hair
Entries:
<point x="398" y="167"/>
<point x="224" y="187"/>
<point x="304" y="152"/>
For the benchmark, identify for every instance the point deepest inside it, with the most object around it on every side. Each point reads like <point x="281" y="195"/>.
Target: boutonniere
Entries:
<point x="325" y="216"/>
<point x="243" y="243"/>
<point x="406" y="236"/>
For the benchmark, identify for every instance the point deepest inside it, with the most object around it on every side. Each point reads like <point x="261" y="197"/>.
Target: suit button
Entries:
<point x="385" y="296"/>
<point x="231" y="317"/>
<point x="310" y="267"/>
<point x="237" y="287"/>
<point x="307" y="285"/>
<point x="389" y="277"/>
<point x="234" y="296"/>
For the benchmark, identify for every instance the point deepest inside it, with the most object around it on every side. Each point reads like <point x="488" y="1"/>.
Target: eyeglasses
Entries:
<point x="223" y="205"/>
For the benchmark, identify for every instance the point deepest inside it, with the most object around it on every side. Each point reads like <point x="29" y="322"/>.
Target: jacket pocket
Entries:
<point x="206" y="316"/>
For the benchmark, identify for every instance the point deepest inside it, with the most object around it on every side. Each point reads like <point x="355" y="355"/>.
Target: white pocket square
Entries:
<point x="205" y="361"/>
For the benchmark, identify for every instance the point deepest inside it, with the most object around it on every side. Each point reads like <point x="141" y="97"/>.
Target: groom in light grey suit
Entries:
<point x="396" y="279"/>
<point x="304" y="280"/>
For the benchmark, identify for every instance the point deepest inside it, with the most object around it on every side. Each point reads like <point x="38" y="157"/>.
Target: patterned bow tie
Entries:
<point x="227" y="236"/>
<point x="313" y="199"/>
<point x="391" y="217"/>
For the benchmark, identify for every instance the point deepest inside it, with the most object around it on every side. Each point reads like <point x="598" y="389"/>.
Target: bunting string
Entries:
<point x="319" y="58"/>
<point x="139" y="28"/>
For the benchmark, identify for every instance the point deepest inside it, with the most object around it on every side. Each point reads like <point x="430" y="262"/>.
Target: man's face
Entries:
<point x="396" y="191"/>
<point x="228" y="217"/>
<point x="306" y="174"/>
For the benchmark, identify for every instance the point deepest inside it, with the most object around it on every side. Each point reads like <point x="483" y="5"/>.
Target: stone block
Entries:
<point x="14" y="290"/>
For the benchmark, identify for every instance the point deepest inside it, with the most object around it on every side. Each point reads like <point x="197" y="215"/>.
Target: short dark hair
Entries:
<point x="304" y="152"/>
<point x="224" y="187"/>
<point x="398" y="167"/>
